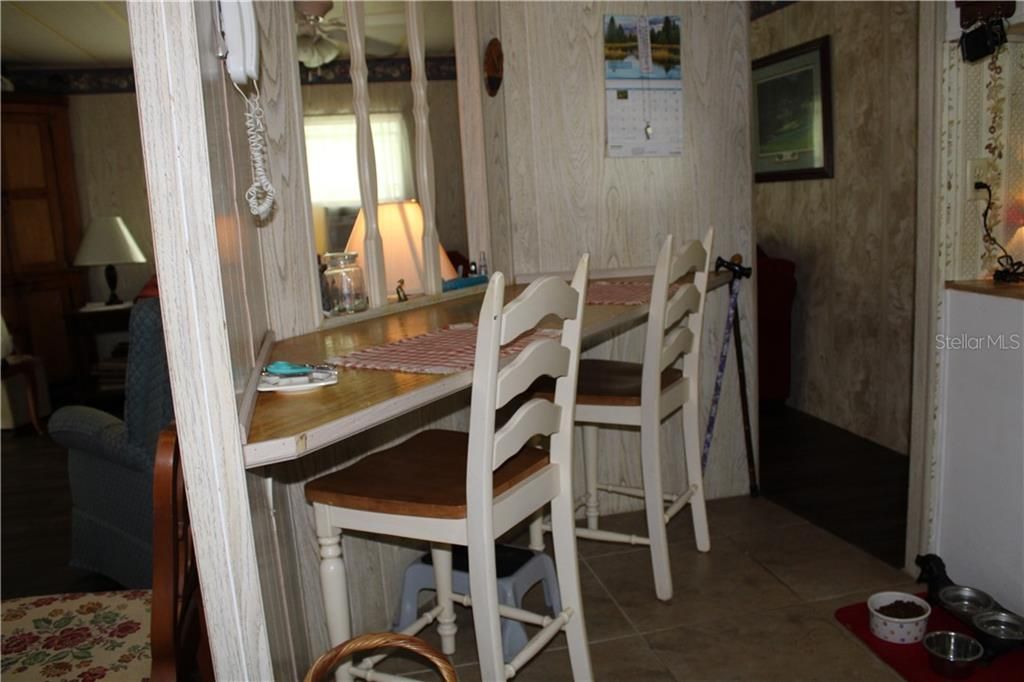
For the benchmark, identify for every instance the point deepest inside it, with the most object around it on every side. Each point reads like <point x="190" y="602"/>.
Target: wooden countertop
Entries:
<point x="989" y="287"/>
<point x="286" y="426"/>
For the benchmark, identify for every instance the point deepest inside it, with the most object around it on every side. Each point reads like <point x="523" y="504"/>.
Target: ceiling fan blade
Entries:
<point x="315" y="51"/>
<point x="374" y="46"/>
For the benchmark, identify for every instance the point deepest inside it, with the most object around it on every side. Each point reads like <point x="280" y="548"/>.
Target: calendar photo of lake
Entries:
<point x="630" y="55"/>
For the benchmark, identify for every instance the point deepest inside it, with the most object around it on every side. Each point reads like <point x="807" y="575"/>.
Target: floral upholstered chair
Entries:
<point x="153" y="634"/>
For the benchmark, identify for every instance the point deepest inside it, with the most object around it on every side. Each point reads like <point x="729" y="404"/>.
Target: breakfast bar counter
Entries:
<point x="284" y="427"/>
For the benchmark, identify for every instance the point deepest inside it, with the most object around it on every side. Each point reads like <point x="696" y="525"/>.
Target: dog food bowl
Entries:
<point x="952" y="654"/>
<point x="893" y="629"/>
<point x="1000" y="624"/>
<point x="965" y="601"/>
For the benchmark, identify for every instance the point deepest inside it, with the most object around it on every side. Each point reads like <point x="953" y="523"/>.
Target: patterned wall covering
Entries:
<point x="852" y="236"/>
<point x="983" y="121"/>
<point x="981" y="118"/>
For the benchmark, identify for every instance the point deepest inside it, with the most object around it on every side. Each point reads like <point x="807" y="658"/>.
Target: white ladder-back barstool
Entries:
<point x="450" y="488"/>
<point x="644" y="394"/>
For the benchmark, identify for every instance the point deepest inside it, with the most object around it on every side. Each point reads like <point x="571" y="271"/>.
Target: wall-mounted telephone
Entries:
<point x="242" y="38"/>
<point x="242" y="60"/>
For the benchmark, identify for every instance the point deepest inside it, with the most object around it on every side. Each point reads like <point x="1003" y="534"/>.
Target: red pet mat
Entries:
<point x="911" y="660"/>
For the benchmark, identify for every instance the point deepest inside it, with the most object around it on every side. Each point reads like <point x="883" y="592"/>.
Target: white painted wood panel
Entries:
<point x="566" y="197"/>
<point x="290" y="274"/>
<point x="981" y="445"/>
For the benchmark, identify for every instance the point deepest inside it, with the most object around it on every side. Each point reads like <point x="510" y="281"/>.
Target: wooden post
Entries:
<point x="469" y="64"/>
<point x="424" y="149"/>
<point x="373" y="248"/>
<point x="170" y="68"/>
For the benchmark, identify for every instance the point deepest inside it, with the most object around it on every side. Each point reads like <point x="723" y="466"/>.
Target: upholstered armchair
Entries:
<point x="110" y="461"/>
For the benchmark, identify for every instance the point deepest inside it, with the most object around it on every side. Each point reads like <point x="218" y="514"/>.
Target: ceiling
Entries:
<point x="94" y="34"/>
<point x="58" y="34"/>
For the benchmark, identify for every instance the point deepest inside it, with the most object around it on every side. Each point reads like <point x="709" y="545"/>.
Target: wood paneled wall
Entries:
<point x="557" y="195"/>
<point x="442" y="96"/>
<point x="111" y="179"/>
<point x="852" y="236"/>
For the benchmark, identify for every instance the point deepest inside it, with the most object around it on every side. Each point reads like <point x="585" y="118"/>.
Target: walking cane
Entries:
<point x="735" y="266"/>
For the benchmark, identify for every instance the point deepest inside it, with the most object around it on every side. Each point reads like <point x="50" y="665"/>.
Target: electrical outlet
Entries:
<point x="977" y="171"/>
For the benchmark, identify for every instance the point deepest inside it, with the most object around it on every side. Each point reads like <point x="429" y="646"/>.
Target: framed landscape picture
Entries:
<point x="793" y="114"/>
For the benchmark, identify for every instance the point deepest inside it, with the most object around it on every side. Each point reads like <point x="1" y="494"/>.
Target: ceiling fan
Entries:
<point x="320" y="38"/>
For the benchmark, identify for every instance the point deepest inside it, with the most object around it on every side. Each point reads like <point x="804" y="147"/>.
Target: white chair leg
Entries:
<point x="335" y="589"/>
<point x="590" y="472"/>
<point x="441" y="556"/>
<point x="695" y="476"/>
<point x="650" y="456"/>
<point x="537" y="531"/>
<point x="563" y="537"/>
<point x="483" y="586"/>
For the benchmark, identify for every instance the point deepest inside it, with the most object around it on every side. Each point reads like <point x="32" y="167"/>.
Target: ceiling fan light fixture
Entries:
<point x="314" y="8"/>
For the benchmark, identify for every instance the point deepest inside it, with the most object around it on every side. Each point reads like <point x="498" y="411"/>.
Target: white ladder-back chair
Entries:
<point x="644" y="394"/>
<point x="449" y="488"/>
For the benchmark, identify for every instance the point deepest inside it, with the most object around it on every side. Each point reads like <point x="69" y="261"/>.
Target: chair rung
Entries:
<point x="376" y="676"/>
<point x="510" y="612"/>
<point x="413" y="629"/>
<point x="609" y="536"/>
<point x="537" y="642"/>
<point x="630" y="491"/>
<point x="679" y="503"/>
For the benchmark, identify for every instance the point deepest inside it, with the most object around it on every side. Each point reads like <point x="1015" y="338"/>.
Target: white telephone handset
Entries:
<point x="243" y="41"/>
<point x="242" y="59"/>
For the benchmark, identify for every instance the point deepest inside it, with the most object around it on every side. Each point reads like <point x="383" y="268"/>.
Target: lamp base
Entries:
<point x="110" y="273"/>
<point x="1008" y="276"/>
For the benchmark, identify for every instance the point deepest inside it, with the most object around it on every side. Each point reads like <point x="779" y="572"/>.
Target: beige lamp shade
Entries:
<point x="401" y="231"/>
<point x="1016" y="244"/>
<point x="108" y="242"/>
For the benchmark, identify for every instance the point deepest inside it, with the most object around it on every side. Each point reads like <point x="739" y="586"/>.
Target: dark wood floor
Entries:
<point x="848" y="485"/>
<point x="35" y="527"/>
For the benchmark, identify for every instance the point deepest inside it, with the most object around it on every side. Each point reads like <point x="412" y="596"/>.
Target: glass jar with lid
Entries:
<point x="344" y="290"/>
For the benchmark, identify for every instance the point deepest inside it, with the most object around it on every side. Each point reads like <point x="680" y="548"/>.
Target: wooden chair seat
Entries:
<point x="422" y="476"/>
<point x="609" y="382"/>
<point x="612" y="382"/>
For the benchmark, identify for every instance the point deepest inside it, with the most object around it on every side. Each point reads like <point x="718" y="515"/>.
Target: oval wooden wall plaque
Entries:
<point x="494" y="66"/>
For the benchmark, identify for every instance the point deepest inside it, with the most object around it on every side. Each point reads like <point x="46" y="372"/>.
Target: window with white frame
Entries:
<point x="331" y="159"/>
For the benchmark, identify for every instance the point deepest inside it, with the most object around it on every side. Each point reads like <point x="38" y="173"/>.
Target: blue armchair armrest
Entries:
<point x="98" y="433"/>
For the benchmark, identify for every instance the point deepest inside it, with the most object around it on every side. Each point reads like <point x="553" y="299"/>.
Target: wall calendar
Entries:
<point x="643" y="86"/>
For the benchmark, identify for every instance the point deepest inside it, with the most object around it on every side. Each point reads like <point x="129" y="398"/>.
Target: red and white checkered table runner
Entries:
<point x="445" y="351"/>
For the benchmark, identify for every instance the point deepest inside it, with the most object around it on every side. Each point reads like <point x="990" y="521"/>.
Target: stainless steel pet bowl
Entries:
<point x="965" y="600"/>
<point x="1002" y="625"/>
<point x="952" y="654"/>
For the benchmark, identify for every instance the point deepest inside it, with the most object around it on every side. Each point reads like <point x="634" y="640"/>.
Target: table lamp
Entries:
<point x="401" y="233"/>
<point x="108" y="242"/>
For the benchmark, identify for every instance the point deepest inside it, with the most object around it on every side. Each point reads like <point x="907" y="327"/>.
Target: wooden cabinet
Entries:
<point x="41" y="230"/>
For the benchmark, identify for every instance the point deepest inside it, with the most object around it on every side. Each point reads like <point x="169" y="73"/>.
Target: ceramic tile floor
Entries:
<point x="757" y="607"/>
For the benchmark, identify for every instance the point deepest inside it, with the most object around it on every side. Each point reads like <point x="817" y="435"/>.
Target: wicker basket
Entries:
<point x="379" y="640"/>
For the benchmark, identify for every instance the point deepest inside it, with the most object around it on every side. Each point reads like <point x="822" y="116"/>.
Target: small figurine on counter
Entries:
<point x="400" y="291"/>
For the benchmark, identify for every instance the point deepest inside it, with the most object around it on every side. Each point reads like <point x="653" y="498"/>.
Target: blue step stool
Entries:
<point x="518" y="570"/>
